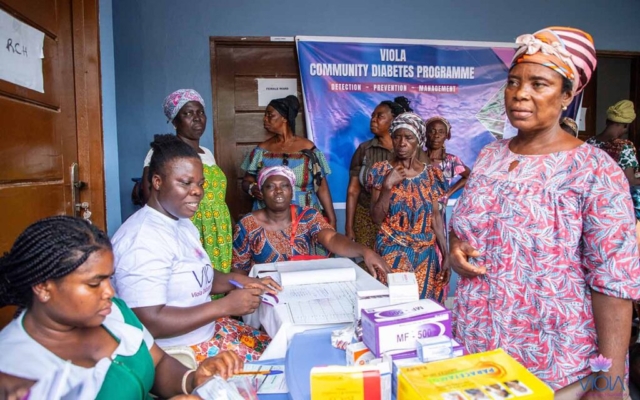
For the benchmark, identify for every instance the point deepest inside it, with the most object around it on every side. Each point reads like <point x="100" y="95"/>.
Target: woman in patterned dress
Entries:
<point x="281" y="230"/>
<point x="438" y="132"/>
<point x="184" y="108"/>
<point x="404" y="201"/>
<point x="543" y="235"/>
<point x="297" y="153"/>
<point x="358" y="225"/>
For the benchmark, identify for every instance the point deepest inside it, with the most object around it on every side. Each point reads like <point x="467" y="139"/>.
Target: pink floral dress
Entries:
<point x="552" y="230"/>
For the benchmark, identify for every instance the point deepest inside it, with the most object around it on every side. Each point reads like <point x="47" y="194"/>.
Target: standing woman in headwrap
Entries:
<point x="543" y="235"/>
<point x="184" y="108"/>
<point x="619" y="116"/>
<point x="404" y="202"/>
<point x="438" y="132"/>
<point x="298" y="153"/>
<point x="358" y="224"/>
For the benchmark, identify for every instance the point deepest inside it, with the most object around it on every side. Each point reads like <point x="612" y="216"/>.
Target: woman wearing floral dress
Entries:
<point x="404" y="201"/>
<point x="543" y="235"/>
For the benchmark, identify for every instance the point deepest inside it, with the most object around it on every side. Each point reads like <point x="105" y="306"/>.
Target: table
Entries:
<point x="277" y="322"/>
<point x="307" y="350"/>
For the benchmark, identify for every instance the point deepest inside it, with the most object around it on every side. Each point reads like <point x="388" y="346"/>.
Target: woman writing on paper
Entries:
<point x="58" y="272"/>
<point x="281" y="231"/>
<point x="163" y="273"/>
<point x="404" y="202"/>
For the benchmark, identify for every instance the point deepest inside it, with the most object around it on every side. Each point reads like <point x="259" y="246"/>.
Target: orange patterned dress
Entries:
<point x="406" y="239"/>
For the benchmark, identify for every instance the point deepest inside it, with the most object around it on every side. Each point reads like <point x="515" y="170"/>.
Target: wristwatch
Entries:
<point x="250" y="188"/>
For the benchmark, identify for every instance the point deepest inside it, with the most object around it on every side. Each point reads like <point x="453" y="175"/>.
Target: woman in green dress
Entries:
<point x="184" y="108"/>
<point x="58" y="273"/>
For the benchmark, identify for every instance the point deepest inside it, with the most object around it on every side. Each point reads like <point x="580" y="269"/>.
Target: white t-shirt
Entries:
<point x="159" y="260"/>
<point x="25" y="358"/>
<point x="206" y="157"/>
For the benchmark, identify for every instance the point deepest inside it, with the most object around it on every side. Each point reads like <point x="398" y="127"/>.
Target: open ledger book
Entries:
<point x="319" y="291"/>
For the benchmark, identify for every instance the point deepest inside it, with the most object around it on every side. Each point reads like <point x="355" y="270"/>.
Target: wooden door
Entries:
<point x="44" y="133"/>
<point x="236" y="63"/>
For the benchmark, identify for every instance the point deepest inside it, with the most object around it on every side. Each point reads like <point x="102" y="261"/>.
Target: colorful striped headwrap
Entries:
<point x="413" y="123"/>
<point x="568" y="51"/>
<point x="176" y="100"/>
<point x="279" y="170"/>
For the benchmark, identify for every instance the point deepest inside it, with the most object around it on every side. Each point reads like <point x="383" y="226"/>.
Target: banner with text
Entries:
<point x="344" y="79"/>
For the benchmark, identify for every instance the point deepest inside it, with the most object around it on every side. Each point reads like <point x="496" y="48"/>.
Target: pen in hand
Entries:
<point x="270" y="301"/>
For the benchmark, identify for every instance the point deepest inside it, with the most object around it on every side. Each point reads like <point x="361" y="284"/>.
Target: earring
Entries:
<point x="564" y="108"/>
<point x="45" y="297"/>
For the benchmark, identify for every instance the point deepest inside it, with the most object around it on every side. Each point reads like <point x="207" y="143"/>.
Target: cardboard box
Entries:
<point x="403" y="288"/>
<point x="493" y="374"/>
<point x="397" y="360"/>
<point x="397" y="327"/>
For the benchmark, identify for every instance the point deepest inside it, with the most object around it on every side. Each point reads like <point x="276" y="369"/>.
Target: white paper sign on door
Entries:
<point x="21" y="53"/>
<point x="275" y="88"/>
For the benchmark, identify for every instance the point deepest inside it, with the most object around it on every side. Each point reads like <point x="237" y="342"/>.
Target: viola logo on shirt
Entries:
<point x="206" y="275"/>
<point x="602" y="383"/>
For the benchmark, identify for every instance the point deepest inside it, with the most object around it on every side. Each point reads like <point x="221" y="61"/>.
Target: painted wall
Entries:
<point x="109" y="120"/>
<point x="162" y="45"/>
<point x="614" y="79"/>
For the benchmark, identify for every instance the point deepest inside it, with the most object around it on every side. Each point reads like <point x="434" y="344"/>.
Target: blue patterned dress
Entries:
<point x="305" y="195"/>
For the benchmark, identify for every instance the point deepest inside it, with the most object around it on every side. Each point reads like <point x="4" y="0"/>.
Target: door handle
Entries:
<point x="76" y="186"/>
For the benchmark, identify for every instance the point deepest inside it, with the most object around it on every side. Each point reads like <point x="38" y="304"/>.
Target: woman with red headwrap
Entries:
<point x="543" y="235"/>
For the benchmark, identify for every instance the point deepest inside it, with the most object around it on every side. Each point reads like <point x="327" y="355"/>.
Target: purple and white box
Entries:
<point x="397" y="327"/>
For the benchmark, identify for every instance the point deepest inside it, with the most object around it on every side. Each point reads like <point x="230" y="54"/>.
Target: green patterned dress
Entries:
<point x="212" y="218"/>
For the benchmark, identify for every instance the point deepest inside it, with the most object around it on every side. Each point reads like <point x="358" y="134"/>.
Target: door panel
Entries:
<point x="39" y="130"/>
<point x="236" y="64"/>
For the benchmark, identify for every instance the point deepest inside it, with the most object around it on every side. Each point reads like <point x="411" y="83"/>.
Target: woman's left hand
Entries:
<point x="445" y="272"/>
<point x="267" y="284"/>
<point x="225" y="364"/>
<point x="373" y="261"/>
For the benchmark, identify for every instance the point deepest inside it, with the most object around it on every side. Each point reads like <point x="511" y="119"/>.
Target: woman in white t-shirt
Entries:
<point x="164" y="274"/>
<point x="184" y="108"/>
<point x="72" y="337"/>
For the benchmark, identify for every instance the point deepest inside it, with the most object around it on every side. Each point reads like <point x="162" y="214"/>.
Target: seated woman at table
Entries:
<point x="58" y="273"/>
<point x="281" y="231"/>
<point x="164" y="274"/>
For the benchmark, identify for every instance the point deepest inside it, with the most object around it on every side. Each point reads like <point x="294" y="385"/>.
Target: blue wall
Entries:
<point x="162" y="45"/>
<point x="109" y="120"/>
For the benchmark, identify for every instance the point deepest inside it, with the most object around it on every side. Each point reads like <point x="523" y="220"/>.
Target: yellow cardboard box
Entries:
<point x="493" y="375"/>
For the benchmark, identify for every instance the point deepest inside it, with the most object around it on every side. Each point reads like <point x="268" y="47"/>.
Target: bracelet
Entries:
<point x="251" y="187"/>
<point x="184" y="380"/>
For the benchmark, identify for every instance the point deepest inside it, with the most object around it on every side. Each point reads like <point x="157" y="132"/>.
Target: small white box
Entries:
<point x="434" y="348"/>
<point x="403" y="288"/>
<point x="358" y="354"/>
